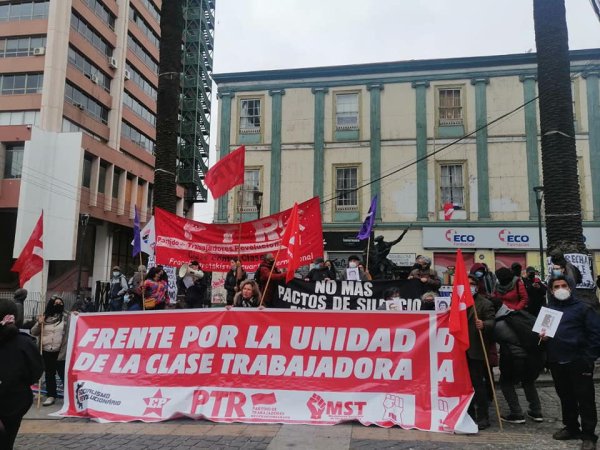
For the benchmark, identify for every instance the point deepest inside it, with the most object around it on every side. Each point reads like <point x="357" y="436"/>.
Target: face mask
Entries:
<point x="352" y="264"/>
<point x="473" y="290"/>
<point x="557" y="273"/>
<point x="478" y="274"/>
<point x="531" y="276"/>
<point x="562" y="294"/>
<point x="58" y="309"/>
<point x="116" y="274"/>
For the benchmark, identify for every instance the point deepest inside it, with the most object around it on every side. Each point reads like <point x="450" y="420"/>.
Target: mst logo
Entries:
<point x="317" y="405"/>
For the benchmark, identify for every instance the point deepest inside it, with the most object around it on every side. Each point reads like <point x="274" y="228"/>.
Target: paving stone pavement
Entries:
<point x="38" y="431"/>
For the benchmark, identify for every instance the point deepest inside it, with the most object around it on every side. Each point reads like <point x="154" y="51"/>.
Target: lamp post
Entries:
<point x="257" y="197"/>
<point x="539" y="195"/>
<point x="83" y="220"/>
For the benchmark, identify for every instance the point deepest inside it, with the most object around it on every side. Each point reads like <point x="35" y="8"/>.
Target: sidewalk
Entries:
<point x="39" y="431"/>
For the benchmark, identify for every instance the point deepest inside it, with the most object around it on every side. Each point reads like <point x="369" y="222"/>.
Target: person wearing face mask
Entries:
<point x="571" y="354"/>
<point x="53" y="329"/>
<point x="118" y="288"/>
<point x="428" y="276"/>
<point x="536" y="291"/>
<point x="353" y="262"/>
<point x="510" y="290"/>
<point x="486" y="280"/>
<point x="319" y="272"/>
<point x="428" y="301"/>
<point x="484" y="323"/>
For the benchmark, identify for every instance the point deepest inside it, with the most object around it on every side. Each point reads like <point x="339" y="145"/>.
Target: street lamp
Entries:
<point x="83" y="220"/>
<point x="539" y="195"/>
<point x="257" y="197"/>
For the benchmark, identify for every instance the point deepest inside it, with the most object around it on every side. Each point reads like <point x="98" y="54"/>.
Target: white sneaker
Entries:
<point x="49" y="401"/>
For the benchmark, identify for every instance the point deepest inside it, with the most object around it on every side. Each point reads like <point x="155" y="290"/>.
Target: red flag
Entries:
<point x="227" y="173"/>
<point x="291" y="240"/>
<point x="31" y="259"/>
<point x="448" y="210"/>
<point x="461" y="300"/>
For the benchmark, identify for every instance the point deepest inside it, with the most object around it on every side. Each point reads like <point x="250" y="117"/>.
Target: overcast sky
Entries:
<point x="282" y="34"/>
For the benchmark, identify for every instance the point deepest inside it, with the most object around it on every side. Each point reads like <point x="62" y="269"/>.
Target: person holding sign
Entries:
<point x="571" y="354"/>
<point x="353" y="272"/>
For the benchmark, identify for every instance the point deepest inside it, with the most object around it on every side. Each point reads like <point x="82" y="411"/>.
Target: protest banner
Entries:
<point x="180" y="240"/>
<point x="348" y="294"/>
<point x="269" y="366"/>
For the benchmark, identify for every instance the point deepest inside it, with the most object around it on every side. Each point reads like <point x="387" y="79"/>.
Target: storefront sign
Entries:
<point x="270" y="366"/>
<point x="496" y="238"/>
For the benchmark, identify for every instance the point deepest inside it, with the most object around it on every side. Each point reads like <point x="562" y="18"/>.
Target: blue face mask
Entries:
<point x="557" y="273"/>
<point x="478" y="274"/>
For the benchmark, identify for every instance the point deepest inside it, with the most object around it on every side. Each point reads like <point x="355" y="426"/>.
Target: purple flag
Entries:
<point x="367" y="225"/>
<point x="137" y="240"/>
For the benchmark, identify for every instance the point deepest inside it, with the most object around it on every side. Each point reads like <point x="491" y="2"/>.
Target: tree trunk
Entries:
<point x="167" y="105"/>
<point x="564" y="229"/>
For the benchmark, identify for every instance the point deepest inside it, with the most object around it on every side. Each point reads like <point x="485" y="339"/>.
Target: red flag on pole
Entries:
<point x="461" y="300"/>
<point x="448" y="210"/>
<point x="31" y="259"/>
<point x="291" y="240"/>
<point x="227" y="173"/>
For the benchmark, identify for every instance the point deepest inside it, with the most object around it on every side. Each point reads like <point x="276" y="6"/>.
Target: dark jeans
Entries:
<point x="479" y="404"/>
<point x="574" y="385"/>
<point x="230" y="295"/>
<point x="9" y="428"/>
<point x="511" y="397"/>
<point x="51" y="367"/>
<point x="116" y="304"/>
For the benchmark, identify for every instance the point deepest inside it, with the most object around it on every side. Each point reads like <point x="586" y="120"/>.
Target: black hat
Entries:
<point x="353" y="258"/>
<point x="319" y="261"/>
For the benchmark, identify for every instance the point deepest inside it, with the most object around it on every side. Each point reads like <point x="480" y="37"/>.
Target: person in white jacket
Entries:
<point x="53" y="328"/>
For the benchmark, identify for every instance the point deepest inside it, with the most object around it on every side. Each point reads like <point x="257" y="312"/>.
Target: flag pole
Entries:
<point x="262" y="297"/>
<point x="42" y="298"/>
<point x="489" y="371"/>
<point x="368" y="250"/>
<point x="142" y="284"/>
<point x="241" y="198"/>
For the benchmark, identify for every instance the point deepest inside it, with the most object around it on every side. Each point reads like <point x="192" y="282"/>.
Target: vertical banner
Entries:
<point x="269" y="366"/>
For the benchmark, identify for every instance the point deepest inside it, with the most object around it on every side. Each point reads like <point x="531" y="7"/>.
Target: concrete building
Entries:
<point x="78" y="91"/>
<point x="415" y="134"/>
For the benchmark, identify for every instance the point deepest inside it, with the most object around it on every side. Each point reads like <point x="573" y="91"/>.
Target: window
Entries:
<point x="250" y="116"/>
<point x="139" y="109"/>
<point x="26" y="83"/>
<point x="138" y="50"/>
<point x="23" y="46"/>
<point x="24" y="10"/>
<point x="346" y="111"/>
<point x="251" y="185"/>
<point x="450" y="107"/>
<point x="102" y="178"/>
<point x="91" y="35"/>
<point x="346" y="183"/>
<point x="13" y="165"/>
<point x="85" y="103"/>
<point x="137" y="137"/>
<point x="137" y="18"/>
<point x="115" y="185"/>
<point x="452" y="189"/>
<point x="88" y="69"/>
<point x="86" y="179"/>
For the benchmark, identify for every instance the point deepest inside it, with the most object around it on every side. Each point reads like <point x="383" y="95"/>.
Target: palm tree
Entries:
<point x="564" y="229"/>
<point x="167" y="105"/>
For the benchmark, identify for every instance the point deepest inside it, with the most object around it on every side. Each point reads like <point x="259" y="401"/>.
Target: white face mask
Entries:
<point x="352" y="264"/>
<point x="116" y="274"/>
<point x="562" y="294"/>
<point x="473" y="290"/>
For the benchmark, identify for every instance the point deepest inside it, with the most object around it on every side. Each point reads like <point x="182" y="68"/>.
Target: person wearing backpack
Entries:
<point x="21" y="367"/>
<point x="117" y="290"/>
<point x="571" y="355"/>
<point x="521" y="361"/>
<point x="510" y="290"/>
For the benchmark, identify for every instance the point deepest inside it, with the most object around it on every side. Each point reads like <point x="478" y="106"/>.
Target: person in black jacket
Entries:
<point x="536" y="291"/>
<point x="233" y="279"/>
<point x="20" y="368"/>
<point x="571" y="354"/>
<point x="319" y="272"/>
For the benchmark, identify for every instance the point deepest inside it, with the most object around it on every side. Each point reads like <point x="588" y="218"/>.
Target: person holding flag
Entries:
<point x="31" y="259"/>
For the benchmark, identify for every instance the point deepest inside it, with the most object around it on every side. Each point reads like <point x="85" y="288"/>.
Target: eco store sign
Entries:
<point x="497" y="238"/>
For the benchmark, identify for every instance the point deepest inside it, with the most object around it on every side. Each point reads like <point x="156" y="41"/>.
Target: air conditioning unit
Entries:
<point x="127" y="74"/>
<point x="39" y="51"/>
<point x="80" y="106"/>
<point x="112" y="62"/>
<point x="95" y="79"/>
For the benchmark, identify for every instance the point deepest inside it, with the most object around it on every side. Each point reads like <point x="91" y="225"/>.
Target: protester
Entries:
<point x="517" y="269"/>
<point x="118" y="288"/>
<point x="332" y="271"/>
<point x="233" y="279"/>
<point x="319" y="272"/>
<point x="19" y="297"/>
<point x="362" y="267"/>
<point x="195" y="294"/>
<point x="426" y="274"/>
<point x="571" y="354"/>
<point x="486" y="285"/>
<point x="521" y="361"/>
<point x="428" y="301"/>
<point x="267" y="269"/>
<point x="558" y="258"/>
<point x="53" y="330"/>
<point x="20" y="368"/>
<point x="510" y="290"/>
<point x="536" y="291"/>
<point x="155" y="290"/>
<point x="484" y="323"/>
<point x="249" y="295"/>
<point x="353" y="263"/>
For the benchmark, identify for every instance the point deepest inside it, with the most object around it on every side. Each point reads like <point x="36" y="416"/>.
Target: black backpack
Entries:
<point x="521" y="322"/>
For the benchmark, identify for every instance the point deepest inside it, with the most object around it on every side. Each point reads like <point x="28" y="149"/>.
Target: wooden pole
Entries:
<point x="368" y="250"/>
<point x="42" y="298"/>
<point x="142" y="284"/>
<point x="262" y="297"/>
<point x="489" y="370"/>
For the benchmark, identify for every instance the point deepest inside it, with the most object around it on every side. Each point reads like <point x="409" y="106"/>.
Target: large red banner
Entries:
<point x="180" y="240"/>
<point x="269" y="366"/>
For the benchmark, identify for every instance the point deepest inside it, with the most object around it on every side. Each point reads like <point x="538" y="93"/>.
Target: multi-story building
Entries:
<point x="78" y="93"/>
<point x="419" y="134"/>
